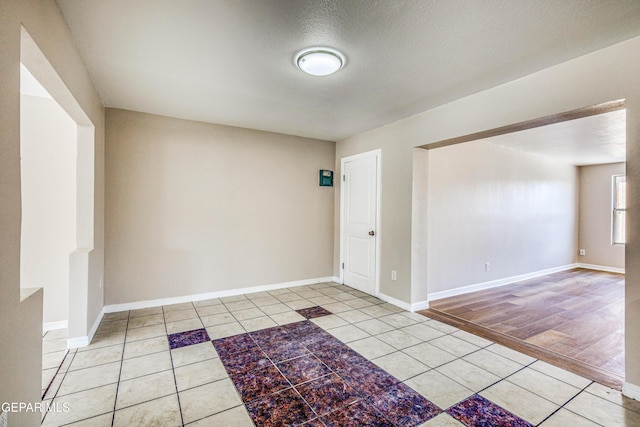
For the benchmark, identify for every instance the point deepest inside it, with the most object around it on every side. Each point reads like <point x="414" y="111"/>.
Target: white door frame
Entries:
<point x="378" y="156"/>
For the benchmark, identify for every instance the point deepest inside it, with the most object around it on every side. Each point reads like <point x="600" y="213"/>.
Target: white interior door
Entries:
<point x="359" y="219"/>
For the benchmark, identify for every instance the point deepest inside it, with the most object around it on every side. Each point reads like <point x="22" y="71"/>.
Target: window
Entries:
<point x="619" y="210"/>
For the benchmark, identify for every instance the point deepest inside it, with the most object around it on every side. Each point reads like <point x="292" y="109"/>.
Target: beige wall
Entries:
<point x="395" y="210"/>
<point x="196" y="208"/>
<point x="491" y="204"/>
<point x="595" y="216"/>
<point x="48" y="169"/>
<point x="584" y="81"/>
<point x="21" y="322"/>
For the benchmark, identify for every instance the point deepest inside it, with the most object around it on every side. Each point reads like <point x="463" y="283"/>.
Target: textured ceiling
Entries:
<point x="231" y="61"/>
<point x="587" y="141"/>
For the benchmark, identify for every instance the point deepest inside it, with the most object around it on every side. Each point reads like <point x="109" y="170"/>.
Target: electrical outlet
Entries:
<point x="487" y="266"/>
<point x="3" y="419"/>
<point x="393" y="275"/>
<point x="583" y="252"/>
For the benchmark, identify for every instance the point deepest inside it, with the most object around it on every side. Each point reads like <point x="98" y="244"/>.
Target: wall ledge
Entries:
<point x="26" y="293"/>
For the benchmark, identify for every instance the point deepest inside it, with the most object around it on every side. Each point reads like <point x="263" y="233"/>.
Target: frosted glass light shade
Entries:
<point x="319" y="61"/>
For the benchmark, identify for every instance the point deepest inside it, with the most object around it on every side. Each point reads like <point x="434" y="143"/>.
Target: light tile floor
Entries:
<point x="54" y="350"/>
<point x="128" y="376"/>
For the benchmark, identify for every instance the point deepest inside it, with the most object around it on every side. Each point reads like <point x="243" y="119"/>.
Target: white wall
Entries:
<point x="197" y="208"/>
<point x="595" y="216"/>
<point x="491" y="204"/>
<point x="48" y="168"/>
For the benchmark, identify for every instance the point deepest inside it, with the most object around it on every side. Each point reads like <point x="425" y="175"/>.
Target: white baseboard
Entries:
<point x="422" y="305"/>
<point x="404" y="305"/>
<point x="495" y="283"/>
<point x="52" y="326"/>
<point x="602" y="268"/>
<point x="391" y="300"/>
<point x="86" y="340"/>
<point x="111" y="308"/>
<point x="78" y="342"/>
<point x="632" y="391"/>
<point x="336" y="279"/>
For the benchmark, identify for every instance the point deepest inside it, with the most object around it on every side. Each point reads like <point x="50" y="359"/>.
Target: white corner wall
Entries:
<point x="200" y="208"/>
<point x="595" y="216"/>
<point x="48" y="167"/>
<point x="491" y="204"/>
<point x="21" y="317"/>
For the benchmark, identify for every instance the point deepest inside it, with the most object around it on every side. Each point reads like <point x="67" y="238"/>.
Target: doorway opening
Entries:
<point x="48" y="156"/>
<point x="530" y="206"/>
<point x="57" y="179"/>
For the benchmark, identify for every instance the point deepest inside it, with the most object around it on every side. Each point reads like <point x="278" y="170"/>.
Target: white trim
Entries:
<point x="52" y="326"/>
<point x="495" y="283"/>
<point x="219" y="294"/>
<point x="86" y="340"/>
<point x="112" y="308"/>
<point x="404" y="305"/>
<point x="378" y="155"/>
<point x="422" y="305"/>
<point x="602" y="268"/>
<point x="632" y="391"/>
<point x="391" y="300"/>
<point x="78" y="342"/>
<point x="337" y="279"/>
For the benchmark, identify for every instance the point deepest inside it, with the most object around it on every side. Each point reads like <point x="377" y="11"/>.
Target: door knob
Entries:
<point x="372" y="233"/>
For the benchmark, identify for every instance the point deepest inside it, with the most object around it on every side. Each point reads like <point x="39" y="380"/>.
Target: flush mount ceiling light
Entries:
<point x="319" y="61"/>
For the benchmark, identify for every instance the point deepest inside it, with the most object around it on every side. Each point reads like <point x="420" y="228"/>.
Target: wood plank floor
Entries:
<point x="577" y="314"/>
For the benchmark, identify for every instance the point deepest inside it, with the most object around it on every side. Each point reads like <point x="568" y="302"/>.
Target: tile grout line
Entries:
<point x="477" y="393"/>
<point x="142" y="402"/>
<point x="332" y="372"/>
<point x="567" y="402"/>
<point x="279" y="371"/>
<point x="494" y="383"/>
<point x="192" y="363"/>
<point x="349" y="323"/>
<point x="460" y="358"/>
<point x="292" y="386"/>
<point x="450" y="333"/>
<point x="232" y="315"/>
<point x="173" y="369"/>
<point x="124" y="343"/>
<point x="58" y="390"/>
<point x="561" y="406"/>
<point x="435" y="368"/>
<point x="54" y="375"/>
